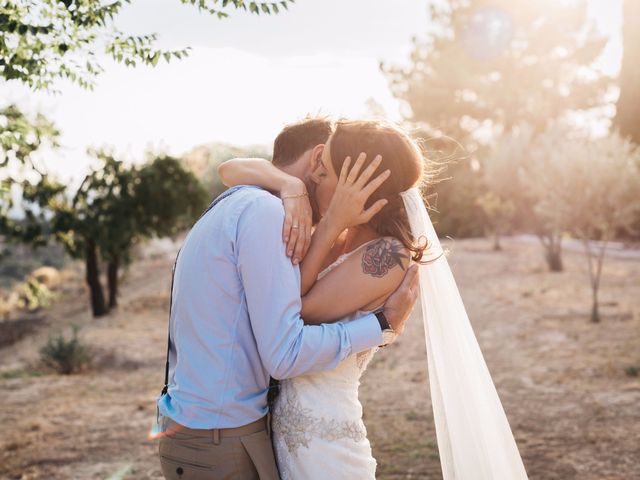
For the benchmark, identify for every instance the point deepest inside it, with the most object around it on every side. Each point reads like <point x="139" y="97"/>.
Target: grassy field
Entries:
<point x="573" y="409"/>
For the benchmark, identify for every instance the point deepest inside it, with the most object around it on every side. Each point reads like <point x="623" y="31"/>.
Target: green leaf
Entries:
<point x="44" y="37"/>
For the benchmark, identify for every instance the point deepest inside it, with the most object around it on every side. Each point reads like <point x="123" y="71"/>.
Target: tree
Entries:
<point x="501" y="198"/>
<point x="589" y="188"/>
<point x="515" y="204"/>
<point x="454" y="190"/>
<point x="165" y="199"/>
<point x="484" y="67"/>
<point x="115" y="207"/>
<point x="104" y="219"/>
<point x="446" y="158"/>
<point x="502" y="65"/>
<point x="499" y="212"/>
<point x="77" y="220"/>
<point x="45" y="40"/>
<point x="628" y="105"/>
<point x="20" y="138"/>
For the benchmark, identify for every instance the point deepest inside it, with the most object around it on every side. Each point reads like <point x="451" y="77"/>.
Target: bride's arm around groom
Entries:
<point x="272" y="285"/>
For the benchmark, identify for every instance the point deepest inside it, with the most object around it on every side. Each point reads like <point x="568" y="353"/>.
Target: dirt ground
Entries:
<point x="573" y="410"/>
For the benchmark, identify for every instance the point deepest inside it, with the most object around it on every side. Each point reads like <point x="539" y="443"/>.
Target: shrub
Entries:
<point x="66" y="356"/>
<point x="35" y="295"/>
<point x="632" y="371"/>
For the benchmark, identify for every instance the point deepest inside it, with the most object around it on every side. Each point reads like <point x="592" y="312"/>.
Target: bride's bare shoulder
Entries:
<point x="382" y="254"/>
<point x="365" y="276"/>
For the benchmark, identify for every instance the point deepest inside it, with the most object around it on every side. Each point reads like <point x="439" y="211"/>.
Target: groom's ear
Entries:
<point x="316" y="155"/>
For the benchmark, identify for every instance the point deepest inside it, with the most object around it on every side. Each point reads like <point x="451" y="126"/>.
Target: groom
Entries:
<point x="235" y="321"/>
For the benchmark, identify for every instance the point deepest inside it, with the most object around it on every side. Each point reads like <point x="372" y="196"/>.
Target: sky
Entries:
<point x="245" y="78"/>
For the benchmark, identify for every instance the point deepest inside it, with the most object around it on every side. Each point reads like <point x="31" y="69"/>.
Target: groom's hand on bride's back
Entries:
<point x="401" y="302"/>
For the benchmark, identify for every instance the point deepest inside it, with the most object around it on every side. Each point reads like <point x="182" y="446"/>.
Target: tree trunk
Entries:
<point x="552" y="244"/>
<point x="595" y="314"/>
<point x="595" y="270"/>
<point x="496" y="241"/>
<point x="93" y="280"/>
<point x="626" y="118"/>
<point x="553" y="252"/>
<point x="554" y="260"/>
<point x="112" y="277"/>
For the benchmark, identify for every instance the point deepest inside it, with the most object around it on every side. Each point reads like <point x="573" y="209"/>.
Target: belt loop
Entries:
<point x="216" y="436"/>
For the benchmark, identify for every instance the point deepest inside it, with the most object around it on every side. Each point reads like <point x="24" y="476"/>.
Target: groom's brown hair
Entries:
<point x="297" y="138"/>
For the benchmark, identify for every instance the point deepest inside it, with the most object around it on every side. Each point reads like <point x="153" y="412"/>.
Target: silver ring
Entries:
<point x="295" y="226"/>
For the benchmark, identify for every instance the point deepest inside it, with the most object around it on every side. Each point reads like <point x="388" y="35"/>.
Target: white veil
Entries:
<point x="475" y="441"/>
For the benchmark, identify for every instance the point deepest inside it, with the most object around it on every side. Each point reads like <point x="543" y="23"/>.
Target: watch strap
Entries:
<point x="382" y="320"/>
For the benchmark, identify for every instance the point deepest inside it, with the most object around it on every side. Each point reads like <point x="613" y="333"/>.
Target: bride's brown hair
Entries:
<point x="401" y="155"/>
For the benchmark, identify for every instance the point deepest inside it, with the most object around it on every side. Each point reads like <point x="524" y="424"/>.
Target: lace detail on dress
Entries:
<point x="317" y="425"/>
<point x="297" y="426"/>
<point x="363" y="358"/>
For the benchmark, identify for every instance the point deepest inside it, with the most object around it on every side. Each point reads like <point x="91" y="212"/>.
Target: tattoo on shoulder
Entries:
<point x="381" y="256"/>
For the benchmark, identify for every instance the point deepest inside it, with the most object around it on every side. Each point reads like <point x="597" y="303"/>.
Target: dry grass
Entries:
<point x="561" y="379"/>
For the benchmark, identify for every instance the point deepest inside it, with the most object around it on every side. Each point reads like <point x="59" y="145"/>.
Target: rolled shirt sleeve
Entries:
<point x="271" y="282"/>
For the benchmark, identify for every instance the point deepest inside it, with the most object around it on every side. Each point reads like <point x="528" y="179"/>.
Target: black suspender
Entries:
<point x="166" y="365"/>
<point x="173" y="273"/>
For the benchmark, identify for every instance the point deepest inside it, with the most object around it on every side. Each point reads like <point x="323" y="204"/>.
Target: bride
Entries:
<point x="350" y="268"/>
<point x="356" y="258"/>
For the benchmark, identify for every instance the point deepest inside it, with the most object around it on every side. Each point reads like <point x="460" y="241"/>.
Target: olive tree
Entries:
<point x="514" y="199"/>
<point x="480" y="69"/>
<point x="45" y="40"/>
<point x="590" y="188"/>
<point x="114" y="207"/>
<point x="42" y="42"/>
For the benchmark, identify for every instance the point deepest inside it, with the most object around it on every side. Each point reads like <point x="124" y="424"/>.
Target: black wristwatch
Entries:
<point x="382" y="320"/>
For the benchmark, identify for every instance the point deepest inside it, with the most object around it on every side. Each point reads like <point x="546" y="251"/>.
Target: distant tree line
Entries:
<point x="507" y="83"/>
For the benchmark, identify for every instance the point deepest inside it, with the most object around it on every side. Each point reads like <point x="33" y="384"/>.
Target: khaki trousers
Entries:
<point x="226" y="453"/>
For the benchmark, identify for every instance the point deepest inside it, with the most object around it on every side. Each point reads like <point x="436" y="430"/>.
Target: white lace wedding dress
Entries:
<point x="318" y="432"/>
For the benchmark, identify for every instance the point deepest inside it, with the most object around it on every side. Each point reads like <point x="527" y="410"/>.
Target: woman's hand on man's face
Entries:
<point x="296" y="231"/>
<point x="352" y="192"/>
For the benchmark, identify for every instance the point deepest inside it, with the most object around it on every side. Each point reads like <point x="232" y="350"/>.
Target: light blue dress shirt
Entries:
<point x="235" y="317"/>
